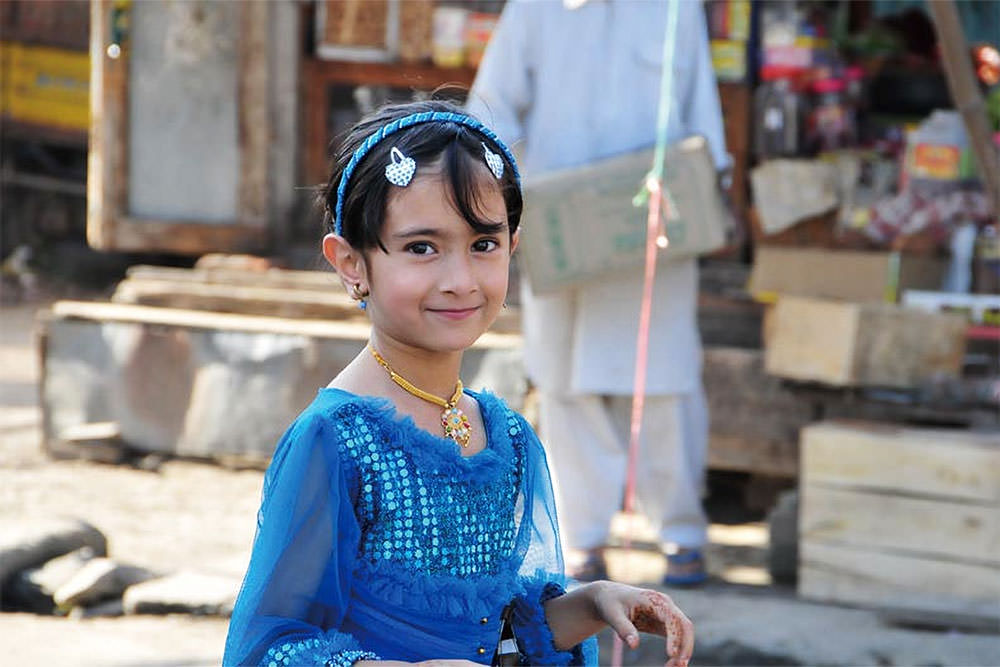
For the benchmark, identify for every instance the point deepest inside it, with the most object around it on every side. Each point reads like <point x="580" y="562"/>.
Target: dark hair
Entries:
<point x="458" y="148"/>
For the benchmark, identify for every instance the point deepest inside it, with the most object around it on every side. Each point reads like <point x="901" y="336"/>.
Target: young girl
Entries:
<point x="405" y="518"/>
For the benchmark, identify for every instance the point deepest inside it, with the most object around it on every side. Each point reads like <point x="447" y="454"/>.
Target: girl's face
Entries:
<point x="441" y="284"/>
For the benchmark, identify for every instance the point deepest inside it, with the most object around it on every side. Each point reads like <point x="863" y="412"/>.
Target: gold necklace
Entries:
<point x="453" y="420"/>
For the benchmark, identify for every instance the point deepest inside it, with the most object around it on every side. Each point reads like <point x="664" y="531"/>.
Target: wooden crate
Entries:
<point x="901" y="519"/>
<point x="861" y="344"/>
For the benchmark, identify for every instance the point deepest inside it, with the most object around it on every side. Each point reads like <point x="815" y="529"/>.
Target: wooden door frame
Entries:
<point x="109" y="225"/>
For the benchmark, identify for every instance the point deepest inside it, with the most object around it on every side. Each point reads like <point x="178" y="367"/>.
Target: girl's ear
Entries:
<point x="514" y="240"/>
<point x="346" y="261"/>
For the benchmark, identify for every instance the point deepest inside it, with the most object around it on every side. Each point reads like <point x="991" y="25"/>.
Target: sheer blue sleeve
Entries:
<point x="296" y="589"/>
<point x="542" y="571"/>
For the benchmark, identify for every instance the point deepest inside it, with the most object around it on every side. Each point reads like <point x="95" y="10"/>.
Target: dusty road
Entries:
<point x="190" y="515"/>
<point x="186" y="515"/>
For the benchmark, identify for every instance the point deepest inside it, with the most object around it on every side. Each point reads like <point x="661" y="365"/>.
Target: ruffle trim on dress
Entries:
<point x="442" y="596"/>
<point x="532" y="629"/>
<point x="438" y="456"/>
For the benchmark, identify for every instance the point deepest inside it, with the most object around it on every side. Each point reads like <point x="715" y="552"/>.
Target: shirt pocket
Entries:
<point x="648" y="50"/>
<point x="648" y="56"/>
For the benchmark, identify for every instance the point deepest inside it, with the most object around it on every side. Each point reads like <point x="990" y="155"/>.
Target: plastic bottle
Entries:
<point x="987" y="261"/>
<point x="854" y="94"/>
<point x="963" y="244"/>
<point x="777" y="110"/>
<point x="828" y="128"/>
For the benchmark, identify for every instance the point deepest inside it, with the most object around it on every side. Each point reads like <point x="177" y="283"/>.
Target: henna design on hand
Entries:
<point x="655" y="615"/>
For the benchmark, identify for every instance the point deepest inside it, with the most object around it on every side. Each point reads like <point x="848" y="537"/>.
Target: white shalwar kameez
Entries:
<point x="567" y="88"/>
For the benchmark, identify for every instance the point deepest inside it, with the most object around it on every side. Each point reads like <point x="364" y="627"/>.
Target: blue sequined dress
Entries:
<point x="378" y="540"/>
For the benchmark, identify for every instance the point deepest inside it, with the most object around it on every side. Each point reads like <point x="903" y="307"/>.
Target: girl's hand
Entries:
<point x="629" y="611"/>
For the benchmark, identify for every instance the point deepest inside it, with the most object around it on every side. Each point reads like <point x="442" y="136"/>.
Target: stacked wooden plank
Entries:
<point x="223" y="288"/>
<point x="902" y="519"/>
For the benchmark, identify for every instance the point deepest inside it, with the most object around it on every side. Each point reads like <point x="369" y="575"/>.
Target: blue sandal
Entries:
<point x="692" y="575"/>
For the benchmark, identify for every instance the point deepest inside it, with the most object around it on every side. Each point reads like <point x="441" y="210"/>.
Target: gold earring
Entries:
<point x="359" y="295"/>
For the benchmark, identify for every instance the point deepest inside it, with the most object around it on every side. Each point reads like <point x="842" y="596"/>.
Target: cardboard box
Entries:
<point x="901" y="519"/>
<point x="580" y="224"/>
<point x="788" y="191"/>
<point x="853" y="275"/>
<point x="861" y="345"/>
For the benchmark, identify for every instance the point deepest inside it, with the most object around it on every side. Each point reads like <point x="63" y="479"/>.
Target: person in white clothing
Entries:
<point x="567" y="85"/>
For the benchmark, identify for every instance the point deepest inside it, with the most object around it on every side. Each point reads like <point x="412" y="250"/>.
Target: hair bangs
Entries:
<point x="468" y="180"/>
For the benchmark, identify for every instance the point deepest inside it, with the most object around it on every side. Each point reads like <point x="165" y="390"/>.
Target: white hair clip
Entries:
<point x="400" y="171"/>
<point x="493" y="161"/>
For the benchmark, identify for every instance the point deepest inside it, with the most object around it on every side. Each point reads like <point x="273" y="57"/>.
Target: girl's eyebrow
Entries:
<point x="421" y="231"/>
<point x="436" y="232"/>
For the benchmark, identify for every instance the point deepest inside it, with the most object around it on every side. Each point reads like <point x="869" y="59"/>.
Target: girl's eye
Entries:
<point x="485" y="245"/>
<point x="420" y="248"/>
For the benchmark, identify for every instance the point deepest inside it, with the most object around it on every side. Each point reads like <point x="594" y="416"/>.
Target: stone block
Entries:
<point x="185" y="592"/>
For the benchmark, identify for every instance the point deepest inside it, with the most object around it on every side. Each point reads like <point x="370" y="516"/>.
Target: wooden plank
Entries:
<point x="738" y="392"/>
<point x="901" y="347"/>
<point x="415" y="76"/>
<point x="962" y="465"/>
<point x="966" y="93"/>
<point x="189" y="238"/>
<point x="254" y="114"/>
<point x="933" y="528"/>
<point x="107" y="156"/>
<point x="199" y="319"/>
<point x="725" y="321"/>
<point x="835" y="573"/>
<point x="809" y="339"/>
<point x="775" y="458"/>
<point x="274" y="292"/>
<point x="851" y="344"/>
<point x="248" y="299"/>
<point x="272" y="277"/>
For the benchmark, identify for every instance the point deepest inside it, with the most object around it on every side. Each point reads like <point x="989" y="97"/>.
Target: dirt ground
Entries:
<point x="193" y="515"/>
<point x="184" y="515"/>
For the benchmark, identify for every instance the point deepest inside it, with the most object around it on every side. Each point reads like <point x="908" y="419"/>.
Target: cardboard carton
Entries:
<point x="580" y="224"/>
<point x="853" y="275"/>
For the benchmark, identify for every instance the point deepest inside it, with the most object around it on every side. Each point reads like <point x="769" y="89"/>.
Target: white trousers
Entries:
<point x="587" y="439"/>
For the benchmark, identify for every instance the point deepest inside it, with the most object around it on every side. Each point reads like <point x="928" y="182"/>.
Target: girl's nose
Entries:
<point x="459" y="277"/>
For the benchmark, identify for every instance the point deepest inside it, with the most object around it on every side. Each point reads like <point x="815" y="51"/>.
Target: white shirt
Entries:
<point x="567" y="87"/>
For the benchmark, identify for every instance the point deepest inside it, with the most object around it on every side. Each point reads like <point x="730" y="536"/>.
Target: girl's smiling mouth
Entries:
<point x="455" y="313"/>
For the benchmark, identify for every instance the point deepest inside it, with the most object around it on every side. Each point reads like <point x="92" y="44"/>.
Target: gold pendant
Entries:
<point x="456" y="425"/>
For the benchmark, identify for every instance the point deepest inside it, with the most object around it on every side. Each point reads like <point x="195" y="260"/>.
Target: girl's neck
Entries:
<point x="434" y="372"/>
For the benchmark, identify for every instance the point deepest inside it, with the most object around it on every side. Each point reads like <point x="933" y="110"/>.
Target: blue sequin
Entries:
<point x="316" y="652"/>
<point x="408" y="514"/>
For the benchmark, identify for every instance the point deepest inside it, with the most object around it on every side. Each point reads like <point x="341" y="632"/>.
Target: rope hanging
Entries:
<point x="657" y="200"/>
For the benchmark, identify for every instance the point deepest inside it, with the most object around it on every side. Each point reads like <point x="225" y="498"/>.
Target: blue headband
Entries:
<point x="402" y="124"/>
